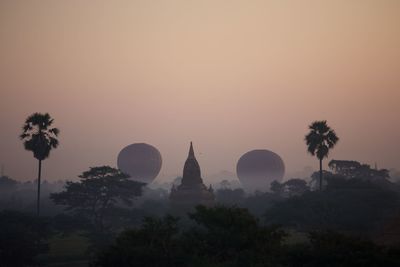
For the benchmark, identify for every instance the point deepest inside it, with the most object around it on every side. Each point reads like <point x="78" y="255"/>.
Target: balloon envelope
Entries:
<point x="256" y="169"/>
<point x="141" y="161"/>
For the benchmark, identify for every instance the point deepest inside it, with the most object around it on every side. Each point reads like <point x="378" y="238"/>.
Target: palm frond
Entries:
<point x="53" y="142"/>
<point x="27" y="127"/>
<point x="54" y="131"/>
<point x="24" y="136"/>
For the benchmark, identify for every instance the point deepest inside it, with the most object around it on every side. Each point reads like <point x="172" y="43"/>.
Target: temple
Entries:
<point x="192" y="191"/>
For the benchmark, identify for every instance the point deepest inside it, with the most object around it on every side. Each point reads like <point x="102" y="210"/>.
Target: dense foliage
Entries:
<point x="346" y="205"/>
<point x="218" y="236"/>
<point x="230" y="236"/>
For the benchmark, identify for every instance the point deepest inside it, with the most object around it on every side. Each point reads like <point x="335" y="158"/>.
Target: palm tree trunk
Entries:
<point x="320" y="175"/>
<point x="38" y="191"/>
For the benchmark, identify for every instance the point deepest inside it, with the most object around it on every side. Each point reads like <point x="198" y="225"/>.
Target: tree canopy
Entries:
<point x="38" y="136"/>
<point x="219" y="236"/>
<point x="345" y="205"/>
<point x="99" y="191"/>
<point x="230" y="236"/>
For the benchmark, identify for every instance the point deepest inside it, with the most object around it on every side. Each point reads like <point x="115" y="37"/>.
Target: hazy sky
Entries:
<point x="228" y="75"/>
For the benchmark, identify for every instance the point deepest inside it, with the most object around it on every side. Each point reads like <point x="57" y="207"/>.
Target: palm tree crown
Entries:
<point x="320" y="139"/>
<point x="38" y="136"/>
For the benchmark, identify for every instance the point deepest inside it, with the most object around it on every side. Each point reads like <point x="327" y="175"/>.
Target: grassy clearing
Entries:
<point x="67" y="251"/>
<point x="295" y="237"/>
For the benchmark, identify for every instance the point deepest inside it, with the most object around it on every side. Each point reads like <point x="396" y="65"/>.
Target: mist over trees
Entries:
<point x="110" y="211"/>
<point x="117" y="221"/>
<point x="355" y="204"/>
<point x="22" y="196"/>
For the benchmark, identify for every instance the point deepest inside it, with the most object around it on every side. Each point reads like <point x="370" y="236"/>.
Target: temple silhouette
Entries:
<point x="192" y="191"/>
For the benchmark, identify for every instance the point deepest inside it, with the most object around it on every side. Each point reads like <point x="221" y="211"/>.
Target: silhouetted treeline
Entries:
<point x="356" y="209"/>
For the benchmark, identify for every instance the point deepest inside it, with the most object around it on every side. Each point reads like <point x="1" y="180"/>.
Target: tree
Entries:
<point x="347" y="168"/>
<point x="320" y="140"/>
<point x="350" y="205"/>
<point x="97" y="194"/>
<point x="156" y="243"/>
<point x="354" y="169"/>
<point x="290" y="188"/>
<point x="276" y="187"/>
<point x="230" y="196"/>
<point x="40" y="138"/>
<point x="296" y="187"/>
<point x="326" y="175"/>
<point x="217" y="236"/>
<point x="231" y="236"/>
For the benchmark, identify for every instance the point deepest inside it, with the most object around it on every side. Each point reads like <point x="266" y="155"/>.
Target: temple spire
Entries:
<point x="191" y="170"/>
<point x="191" y="151"/>
<point x="191" y="191"/>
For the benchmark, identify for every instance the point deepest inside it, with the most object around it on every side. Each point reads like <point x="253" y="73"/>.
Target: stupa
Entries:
<point x="192" y="191"/>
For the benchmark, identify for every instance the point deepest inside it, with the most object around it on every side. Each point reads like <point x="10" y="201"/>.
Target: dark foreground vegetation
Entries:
<point x="223" y="236"/>
<point x="218" y="236"/>
<point x="105" y="219"/>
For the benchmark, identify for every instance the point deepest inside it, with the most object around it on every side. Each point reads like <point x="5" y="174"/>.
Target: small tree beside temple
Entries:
<point x="97" y="193"/>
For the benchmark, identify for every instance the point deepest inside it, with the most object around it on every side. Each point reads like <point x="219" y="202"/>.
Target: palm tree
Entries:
<point x="320" y="140"/>
<point x="40" y="138"/>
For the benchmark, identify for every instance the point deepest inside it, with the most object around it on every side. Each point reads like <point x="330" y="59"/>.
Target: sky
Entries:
<point x="231" y="76"/>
